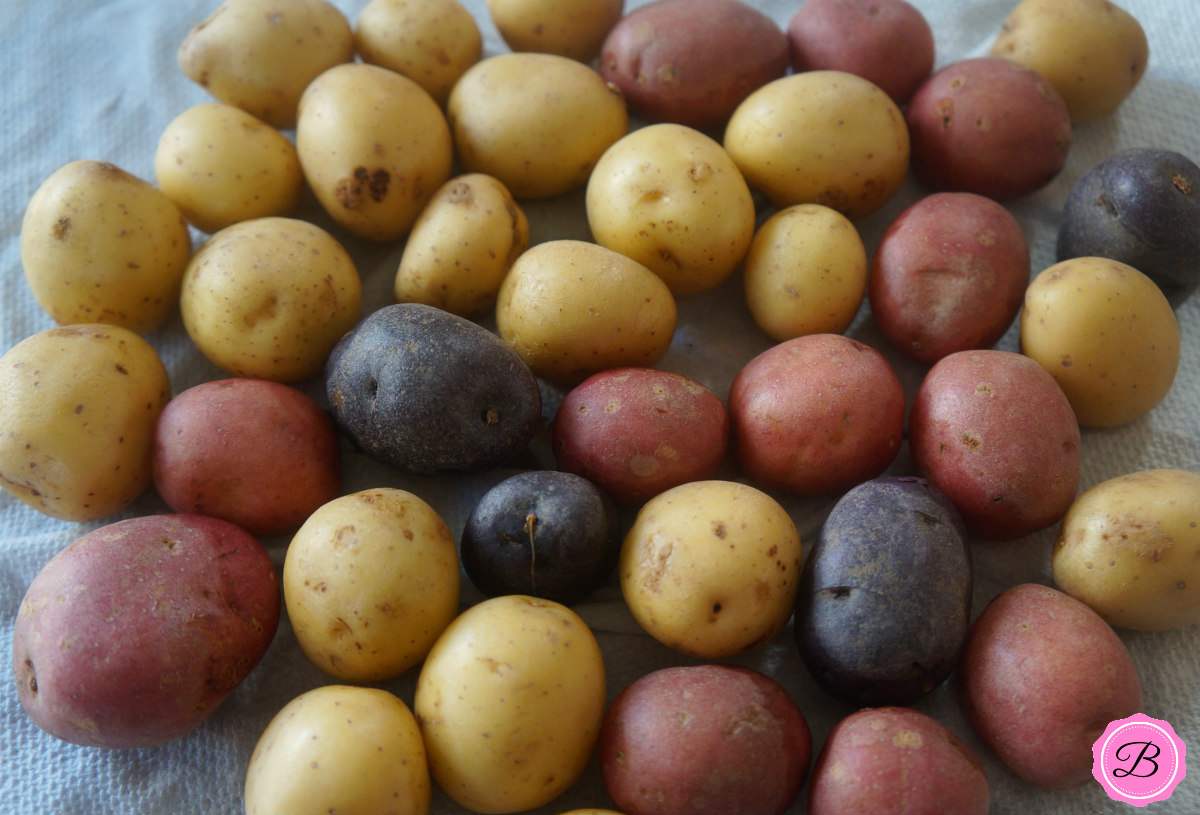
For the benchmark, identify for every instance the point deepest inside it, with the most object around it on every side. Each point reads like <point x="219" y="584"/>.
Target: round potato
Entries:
<point x="1129" y="547"/>
<point x="569" y="28"/>
<point x="672" y="199"/>
<point x="1106" y="333"/>
<point x="77" y="411"/>
<point x="99" y="245"/>
<point x="711" y="568"/>
<point x="269" y="298"/>
<point x="220" y="165"/>
<point x="805" y="273"/>
<point x="821" y="137"/>
<point x="339" y="748"/>
<point x="1092" y="51"/>
<point x="536" y="122"/>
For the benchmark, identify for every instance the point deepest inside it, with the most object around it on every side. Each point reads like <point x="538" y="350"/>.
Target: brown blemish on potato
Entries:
<point x="971" y="440"/>
<point x="1180" y="183"/>
<point x="655" y="561"/>
<point x="753" y="717"/>
<point x="907" y="739"/>
<point x="719" y="529"/>
<point x="353" y="192"/>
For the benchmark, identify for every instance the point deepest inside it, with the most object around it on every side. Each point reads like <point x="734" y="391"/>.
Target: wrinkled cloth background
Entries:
<point x="99" y="80"/>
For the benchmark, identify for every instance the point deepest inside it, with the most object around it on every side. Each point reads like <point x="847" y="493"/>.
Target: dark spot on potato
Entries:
<point x="716" y="608"/>
<point x="719" y="529"/>
<point x="972" y="441"/>
<point x="490" y="417"/>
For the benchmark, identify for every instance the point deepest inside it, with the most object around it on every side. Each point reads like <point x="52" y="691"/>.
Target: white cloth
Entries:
<point x="99" y="80"/>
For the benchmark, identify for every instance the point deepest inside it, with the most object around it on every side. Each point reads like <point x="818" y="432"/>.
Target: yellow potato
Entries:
<point x="1107" y="335"/>
<point x="220" y="165"/>
<point x="569" y="28"/>
<point x="821" y="137"/>
<point x="510" y="702"/>
<point x="537" y="122"/>
<point x="78" y="406"/>
<point x="672" y="199"/>
<point x="1093" y="52"/>
<point x="572" y="308"/>
<point x="711" y="568"/>
<point x="432" y="42"/>
<point x="805" y="272"/>
<point x="100" y="245"/>
<point x="269" y="298"/>
<point x="1129" y="547"/>
<point x="339" y="748"/>
<point x="260" y="55"/>
<point x="370" y="581"/>
<point x="462" y="246"/>
<point x="374" y="146"/>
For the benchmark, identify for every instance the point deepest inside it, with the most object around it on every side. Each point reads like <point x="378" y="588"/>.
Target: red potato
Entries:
<point x="260" y="454"/>
<point x="816" y="415"/>
<point x="1042" y="675"/>
<point x="636" y="432"/>
<point x="949" y="274"/>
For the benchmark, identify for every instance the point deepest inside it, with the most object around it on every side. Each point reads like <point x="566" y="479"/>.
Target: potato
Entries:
<point x="710" y="568"/>
<point x="220" y="165"/>
<point x="896" y="759"/>
<point x="339" y="748"/>
<point x="510" y="702"/>
<point x="672" y="199"/>
<point x="1106" y="333"/>
<point x="571" y="309"/>
<point x="536" y="122"/>
<point x="256" y="453"/>
<point x="1140" y="206"/>
<point x="636" y="432"/>
<point x="816" y="415"/>
<point x="269" y="298"/>
<point x="461" y="246"/>
<point x="259" y="55"/>
<point x="805" y="272"/>
<point x="1092" y="51"/>
<point x="1129" y="547"/>
<point x="137" y="631"/>
<point x="370" y="581"/>
<point x="77" y="411"/>
<point x="374" y="147"/>
<point x="885" y="600"/>
<point x="821" y="137"/>
<point x="949" y="274"/>
<point x="988" y="126"/>
<point x="99" y="245"/>
<point x="429" y="392"/>
<point x="692" y="62"/>
<point x="570" y="28"/>
<point x="994" y="432"/>
<point x="704" y="738"/>
<point x="1041" y="677"/>
<point x="432" y="42"/>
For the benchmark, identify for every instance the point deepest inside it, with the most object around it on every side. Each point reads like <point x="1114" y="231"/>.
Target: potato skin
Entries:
<point x="569" y="28"/>
<point x="709" y="738"/>
<point x="135" y="633"/>
<point x="1042" y="676"/>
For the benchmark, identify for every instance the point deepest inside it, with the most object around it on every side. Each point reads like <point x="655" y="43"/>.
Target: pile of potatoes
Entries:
<point x="707" y="141"/>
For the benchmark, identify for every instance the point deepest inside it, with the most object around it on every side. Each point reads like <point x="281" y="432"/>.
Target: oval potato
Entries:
<point x="569" y="28"/>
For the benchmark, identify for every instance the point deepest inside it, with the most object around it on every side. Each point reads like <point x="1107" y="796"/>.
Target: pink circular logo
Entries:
<point x="1138" y="760"/>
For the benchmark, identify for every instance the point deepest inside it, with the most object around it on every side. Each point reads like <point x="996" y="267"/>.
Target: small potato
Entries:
<point x="374" y="146"/>
<point x="821" y="137"/>
<point x="710" y="568"/>
<point x="269" y="298"/>
<point x="572" y="308"/>
<point x="370" y="581"/>
<point x="672" y="199"/>
<point x="77" y="407"/>
<point x="339" y="748"/>
<point x="536" y="122"/>
<point x="259" y="55"/>
<point x="1092" y="51"/>
<point x="1129" y="547"/>
<point x="805" y="273"/>
<point x="99" y="245"/>
<point x="462" y="246"/>
<point x="220" y="165"/>
<point x="432" y="42"/>
<point x="570" y="28"/>
<point x="1106" y="333"/>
